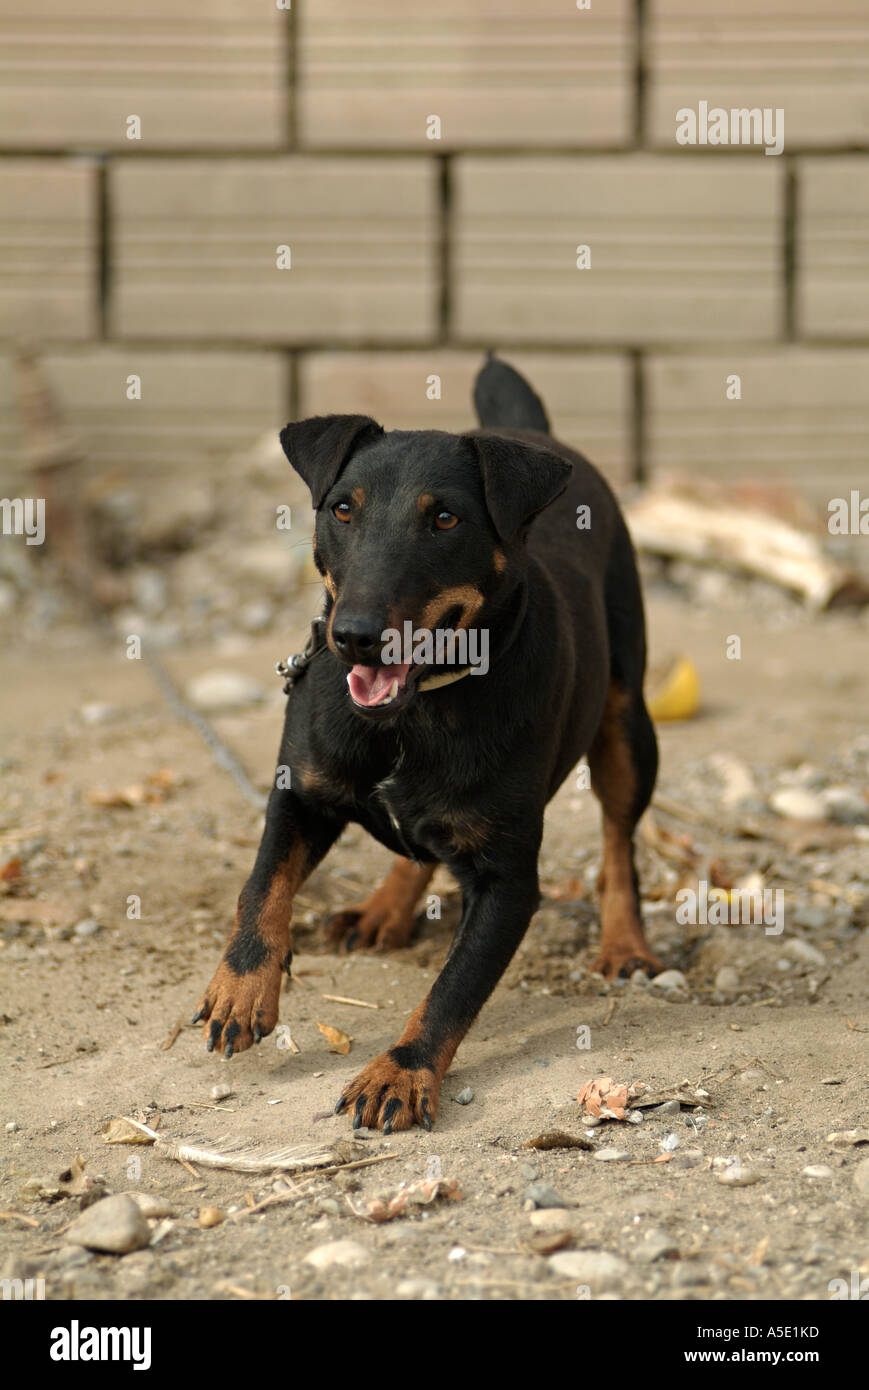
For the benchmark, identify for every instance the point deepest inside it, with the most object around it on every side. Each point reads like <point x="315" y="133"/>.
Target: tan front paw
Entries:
<point x="239" y="1010"/>
<point x="389" y="1097"/>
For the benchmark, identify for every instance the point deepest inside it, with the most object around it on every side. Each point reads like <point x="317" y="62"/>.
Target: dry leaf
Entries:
<point x="155" y="788"/>
<point x="556" y="1139"/>
<point x="338" y="1041"/>
<point x="41" y="910"/>
<point x="10" y="870"/>
<point x="120" y="1130"/>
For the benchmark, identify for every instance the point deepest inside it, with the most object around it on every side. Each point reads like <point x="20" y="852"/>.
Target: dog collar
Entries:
<point x="295" y="666"/>
<point x="434" y="682"/>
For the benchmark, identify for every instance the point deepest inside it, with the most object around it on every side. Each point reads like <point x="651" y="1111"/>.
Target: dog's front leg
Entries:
<point x="402" y="1086"/>
<point x="240" y="1006"/>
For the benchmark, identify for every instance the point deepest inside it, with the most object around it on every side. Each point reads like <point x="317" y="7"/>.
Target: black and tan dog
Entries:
<point x="449" y="532"/>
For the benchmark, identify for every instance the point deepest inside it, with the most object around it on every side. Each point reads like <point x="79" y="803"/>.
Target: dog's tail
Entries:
<point x="504" y="400"/>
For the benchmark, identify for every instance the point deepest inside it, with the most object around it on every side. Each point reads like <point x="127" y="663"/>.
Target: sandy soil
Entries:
<point x="782" y="1053"/>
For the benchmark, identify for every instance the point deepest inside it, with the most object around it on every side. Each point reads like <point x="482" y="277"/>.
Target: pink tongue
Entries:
<point x="370" y="685"/>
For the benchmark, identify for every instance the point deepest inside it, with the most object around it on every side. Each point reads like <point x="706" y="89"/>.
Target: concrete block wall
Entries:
<point x="325" y="206"/>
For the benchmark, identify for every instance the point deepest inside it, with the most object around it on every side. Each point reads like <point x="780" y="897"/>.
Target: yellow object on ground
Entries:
<point x="678" y="694"/>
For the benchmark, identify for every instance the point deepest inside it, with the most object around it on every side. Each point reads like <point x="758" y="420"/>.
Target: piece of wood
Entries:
<point x="676" y="521"/>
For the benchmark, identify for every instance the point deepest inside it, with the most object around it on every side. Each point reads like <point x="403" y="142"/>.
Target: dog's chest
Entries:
<point x="422" y="823"/>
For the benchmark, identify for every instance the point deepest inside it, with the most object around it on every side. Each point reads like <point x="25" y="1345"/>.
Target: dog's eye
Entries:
<point x="445" y="521"/>
<point x="341" y="510"/>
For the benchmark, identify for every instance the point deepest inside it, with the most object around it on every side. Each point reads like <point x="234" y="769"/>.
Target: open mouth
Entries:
<point x="377" y="687"/>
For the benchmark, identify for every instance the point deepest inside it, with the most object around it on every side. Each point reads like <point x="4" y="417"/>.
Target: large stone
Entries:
<point x="600" y="1270"/>
<point x="114" y="1226"/>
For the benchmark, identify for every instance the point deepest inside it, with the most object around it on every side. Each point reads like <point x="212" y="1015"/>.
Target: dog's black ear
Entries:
<point x="319" y="448"/>
<point x="519" y="480"/>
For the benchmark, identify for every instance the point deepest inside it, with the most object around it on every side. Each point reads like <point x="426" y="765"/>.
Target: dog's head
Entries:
<point x="418" y="532"/>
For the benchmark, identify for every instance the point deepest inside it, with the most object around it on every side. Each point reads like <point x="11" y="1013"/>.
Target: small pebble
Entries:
<point x="425" y="1290"/>
<point x="549" y="1219"/>
<point x="221" y="1091"/>
<point x="86" y="927"/>
<point x="797" y="949"/>
<point x="465" y="1096"/>
<point x="845" y="805"/>
<point x="727" y="980"/>
<point x="347" y="1254"/>
<point x="222" y="690"/>
<point x="613" y="1156"/>
<point x="796" y="803"/>
<point x="542" y="1195"/>
<point x="815" y="918"/>
<point x="669" y="1143"/>
<point x="818" y="1170"/>
<point x="598" y="1269"/>
<point x="670" y="982"/>
<point x="211" y="1216"/>
<point x="736" y="1175"/>
<point x="657" y="1245"/>
<point x="97" y="712"/>
<point x="12" y="1127"/>
<point x="667" y="1107"/>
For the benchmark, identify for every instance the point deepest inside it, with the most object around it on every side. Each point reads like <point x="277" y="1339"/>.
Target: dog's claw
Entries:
<point x="339" y="1105"/>
<point x="390" y="1109"/>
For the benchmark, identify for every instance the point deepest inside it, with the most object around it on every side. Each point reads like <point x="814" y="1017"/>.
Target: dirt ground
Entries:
<point x="779" y="1041"/>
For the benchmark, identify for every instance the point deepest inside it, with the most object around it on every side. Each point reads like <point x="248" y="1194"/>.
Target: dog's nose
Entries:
<point x="358" y="640"/>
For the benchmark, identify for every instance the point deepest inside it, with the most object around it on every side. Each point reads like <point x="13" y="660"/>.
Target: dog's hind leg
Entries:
<point x="385" y="920"/>
<point x="623" y="760"/>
